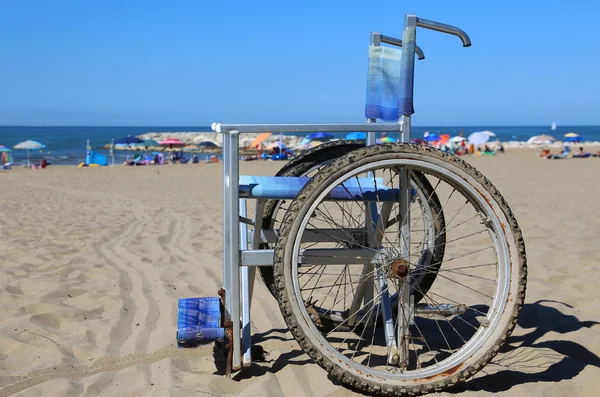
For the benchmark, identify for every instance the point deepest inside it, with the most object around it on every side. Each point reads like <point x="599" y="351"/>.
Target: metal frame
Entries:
<point x="239" y="262"/>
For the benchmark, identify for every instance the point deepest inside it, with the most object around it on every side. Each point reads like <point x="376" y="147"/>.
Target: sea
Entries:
<point x="67" y="145"/>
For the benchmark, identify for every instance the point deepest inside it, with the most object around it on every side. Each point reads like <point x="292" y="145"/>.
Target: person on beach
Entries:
<point x="582" y="153"/>
<point x="6" y="161"/>
<point x="259" y="150"/>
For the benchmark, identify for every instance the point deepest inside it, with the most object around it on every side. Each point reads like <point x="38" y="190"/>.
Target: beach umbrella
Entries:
<point x="457" y="139"/>
<point x="4" y="149"/>
<point x="432" y="138"/>
<point x="147" y="143"/>
<point x="571" y="135"/>
<point x="259" y="139"/>
<point x="171" y="142"/>
<point x="386" y="139"/>
<point x="478" y="138"/>
<point x="444" y="138"/>
<point x="541" y="139"/>
<point x="357" y="136"/>
<point x="29" y="145"/>
<point x="129" y="140"/>
<point x="305" y="142"/>
<point x="488" y="133"/>
<point x="207" y="144"/>
<point x="320" y="135"/>
<point x="573" y="139"/>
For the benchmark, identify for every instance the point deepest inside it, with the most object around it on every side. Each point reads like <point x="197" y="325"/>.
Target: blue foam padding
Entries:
<point x="407" y="70"/>
<point x="199" y="321"/>
<point x="285" y="187"/>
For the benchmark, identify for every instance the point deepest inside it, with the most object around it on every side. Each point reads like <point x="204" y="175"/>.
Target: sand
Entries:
<point x="94" y="260"/>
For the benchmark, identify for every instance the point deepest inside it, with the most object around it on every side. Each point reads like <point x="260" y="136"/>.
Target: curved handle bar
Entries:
<point x="380" y="38"/>
<point x="441" y="27"/>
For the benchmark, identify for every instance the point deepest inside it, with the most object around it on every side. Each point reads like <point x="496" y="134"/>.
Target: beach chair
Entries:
<point x="398" y="268"/>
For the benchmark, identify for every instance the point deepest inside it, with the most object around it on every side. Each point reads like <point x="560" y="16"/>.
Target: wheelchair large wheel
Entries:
<point x="465" y="316"/>
<point x="314" y="160"/>
<point x="307" y="164"/>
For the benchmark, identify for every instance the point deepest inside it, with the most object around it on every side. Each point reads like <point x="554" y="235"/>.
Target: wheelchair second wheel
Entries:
<point x="462" y="319"/>
<point x="432" y="249"/>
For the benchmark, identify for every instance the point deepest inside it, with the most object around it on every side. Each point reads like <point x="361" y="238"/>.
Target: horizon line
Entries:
<point x="199" y="126"/>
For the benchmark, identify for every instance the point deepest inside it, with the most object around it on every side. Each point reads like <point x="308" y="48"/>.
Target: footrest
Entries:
<point x="199" y="321"/>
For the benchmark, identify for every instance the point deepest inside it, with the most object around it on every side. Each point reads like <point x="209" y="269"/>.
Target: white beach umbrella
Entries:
<point x="488" y="133"/>
<point x="457" y="139"/>
<point x="478" y="138"/>
<point x="29" y="145"/>
<point x="541" y="139"/>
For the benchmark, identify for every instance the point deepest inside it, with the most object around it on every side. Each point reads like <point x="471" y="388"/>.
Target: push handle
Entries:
<point x="380" y="38"/>
<point x="441" y="27"/>
<point x="407" y="62"/>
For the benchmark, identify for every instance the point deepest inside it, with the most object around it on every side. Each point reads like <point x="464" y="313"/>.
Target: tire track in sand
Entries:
<point x="105" y="250"/>
<point x="14" y="384"/>
<point x="148" y="270"/>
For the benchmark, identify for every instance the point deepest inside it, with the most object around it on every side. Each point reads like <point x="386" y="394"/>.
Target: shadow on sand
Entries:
<point x="262" y="363"/>
<point x="524" y="359"/>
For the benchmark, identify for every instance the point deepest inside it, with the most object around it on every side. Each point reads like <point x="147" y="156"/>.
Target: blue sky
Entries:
<point x="194" y="62"/>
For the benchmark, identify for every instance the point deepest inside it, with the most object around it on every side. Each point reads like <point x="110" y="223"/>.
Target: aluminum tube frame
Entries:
<point x="312" y="256"/>
<point x="381" y="275"/>
<point x="245" y="291"/>
<point x="318" y="236"/>
<point x="231" y="239"/>
<point x="380" y="38"/>
<point x="406" y="301"/>
<point x="442" y="27"/>
<point x="276" y="128"/>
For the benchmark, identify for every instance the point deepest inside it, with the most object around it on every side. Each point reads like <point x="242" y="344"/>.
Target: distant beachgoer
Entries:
<point x="581" y="153"/>
<point x="260" y="149"/>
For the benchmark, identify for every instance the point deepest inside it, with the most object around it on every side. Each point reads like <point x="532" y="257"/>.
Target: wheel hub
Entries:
<point x="399" y="268"/>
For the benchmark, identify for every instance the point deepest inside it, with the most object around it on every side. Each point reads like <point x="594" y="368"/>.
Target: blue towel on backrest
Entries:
<point x="383" y="83"/>
<point x="199" y="321"/>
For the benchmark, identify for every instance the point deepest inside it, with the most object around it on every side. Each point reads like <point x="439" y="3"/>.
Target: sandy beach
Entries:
<point x="93" y="261"/>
